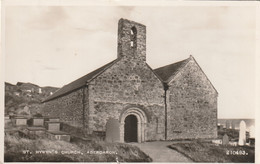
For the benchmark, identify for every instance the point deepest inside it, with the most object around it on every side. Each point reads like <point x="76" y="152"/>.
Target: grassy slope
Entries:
<point x="15" y="102"/>
<point x="15" y="145"/>
<point x="207" y="152"/>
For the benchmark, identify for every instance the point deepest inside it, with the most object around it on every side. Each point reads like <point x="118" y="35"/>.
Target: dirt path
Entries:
<point x="159" y="152"/>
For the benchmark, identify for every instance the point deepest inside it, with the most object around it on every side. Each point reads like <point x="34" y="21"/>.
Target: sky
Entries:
<point x="55" y="45"/>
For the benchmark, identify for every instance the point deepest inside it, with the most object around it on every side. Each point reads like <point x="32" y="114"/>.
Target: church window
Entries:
<point x="133" y="33"/>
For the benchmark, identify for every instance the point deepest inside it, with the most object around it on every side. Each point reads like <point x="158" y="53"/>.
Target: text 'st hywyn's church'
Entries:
<point x="136" y="103"/>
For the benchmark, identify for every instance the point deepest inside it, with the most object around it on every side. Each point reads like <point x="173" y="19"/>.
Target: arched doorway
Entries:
<point x="130" y="129"/>
<point x="133" y="125"/>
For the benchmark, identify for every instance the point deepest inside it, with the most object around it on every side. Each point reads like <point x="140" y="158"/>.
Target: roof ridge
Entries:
<point x="80" y="82"/>
<point x="168" y="71"/>
<point x="171" y="64"/>
<point x="178" y="69"/>
<point x="105" y="68"/>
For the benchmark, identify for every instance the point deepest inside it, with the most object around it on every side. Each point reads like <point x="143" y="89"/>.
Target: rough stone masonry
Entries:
<point x="176" y="101"/>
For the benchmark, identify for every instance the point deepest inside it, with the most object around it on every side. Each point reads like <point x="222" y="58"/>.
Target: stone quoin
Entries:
<point x="176" y="101"/>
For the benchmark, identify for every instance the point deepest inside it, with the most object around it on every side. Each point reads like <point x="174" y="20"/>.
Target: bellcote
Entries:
<point x="131" y="40"/>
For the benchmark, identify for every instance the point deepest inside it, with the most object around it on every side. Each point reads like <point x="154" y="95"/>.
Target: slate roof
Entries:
<point x="79" y="82"/>
<point x="167" y="72"/>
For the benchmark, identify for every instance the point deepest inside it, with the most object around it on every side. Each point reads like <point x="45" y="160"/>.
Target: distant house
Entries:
<point x="16" y="93"/>
<point x="171" y="102"/>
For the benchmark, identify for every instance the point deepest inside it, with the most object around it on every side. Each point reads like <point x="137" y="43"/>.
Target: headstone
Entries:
<point x="252" y="141"/>
<point x="26" y="108"/>
<point x="52" y="126"/>
<point x="227" y="124"/>
<point x="225" y="140"/>
<point x="112" y="131"/>
<point x="38" y="121"/>
<point x="21" y="121"/>
<point x="233" y="125"/>
<point x="252" y="132"/>
<point x="7" y="120"/>
<point x="242" y="133"/>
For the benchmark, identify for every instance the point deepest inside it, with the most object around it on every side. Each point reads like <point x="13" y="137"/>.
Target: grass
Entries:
<point x="45" y="150"/>
<point x="199" y="151"/>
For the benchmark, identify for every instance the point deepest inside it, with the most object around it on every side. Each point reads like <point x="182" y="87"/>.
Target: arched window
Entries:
<point x="133" y="33"/>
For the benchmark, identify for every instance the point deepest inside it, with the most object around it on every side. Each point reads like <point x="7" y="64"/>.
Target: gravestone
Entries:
<point x="242" y="133"/>
<point x="52" y="126"/>
<point x="38" y="121"/>
<point x="233" y="125"/>
<point x="225" y="140"/>
<point x="7" y="120"/>
<point x="227" y="124"/>
<point x="112" y="131"/>
<point x="252" y="132"/>
<point x="20" y="121"/>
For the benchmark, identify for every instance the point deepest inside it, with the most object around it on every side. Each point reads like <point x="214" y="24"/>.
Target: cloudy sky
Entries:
<point x="52" y="46"/>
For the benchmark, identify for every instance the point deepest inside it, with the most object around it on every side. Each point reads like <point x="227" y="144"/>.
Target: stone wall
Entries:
<point x="192" y="105"/>
<point x="131" y="84"/>
<point x="131" y="31"/>
<point x="128" y="83"/>
<point x="69" y="108"/>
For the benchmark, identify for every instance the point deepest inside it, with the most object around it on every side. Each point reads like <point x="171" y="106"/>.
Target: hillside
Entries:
<point x="25" y="98"/>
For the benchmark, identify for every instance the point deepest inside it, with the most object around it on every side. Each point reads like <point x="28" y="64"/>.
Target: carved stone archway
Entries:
<point x="141" y="123"/>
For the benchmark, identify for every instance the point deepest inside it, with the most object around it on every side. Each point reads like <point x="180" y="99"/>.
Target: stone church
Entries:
<point x="132" y="102"/>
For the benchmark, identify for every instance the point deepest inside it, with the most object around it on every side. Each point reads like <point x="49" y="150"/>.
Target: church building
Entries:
<point x="131" y="102"/>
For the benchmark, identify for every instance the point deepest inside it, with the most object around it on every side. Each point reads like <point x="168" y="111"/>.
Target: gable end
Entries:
<point x="191" y="58"/>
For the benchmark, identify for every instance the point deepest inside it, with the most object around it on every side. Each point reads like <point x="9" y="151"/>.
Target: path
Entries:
<point x="159" y="152"/>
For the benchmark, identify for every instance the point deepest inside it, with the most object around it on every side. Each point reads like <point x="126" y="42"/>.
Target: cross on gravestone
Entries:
<point x="112" y="131"/>
<point x="242" y="133"/>
<point x="225" y="140"/>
